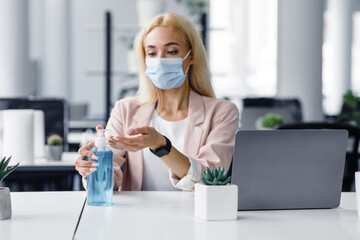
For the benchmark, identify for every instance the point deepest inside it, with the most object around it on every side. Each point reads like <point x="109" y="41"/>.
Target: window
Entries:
<point x="332" y="101"/>
<point x="243" y="47"/>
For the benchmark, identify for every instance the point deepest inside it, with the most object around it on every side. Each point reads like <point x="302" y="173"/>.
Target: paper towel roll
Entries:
<point x="1" y="134"/>
<point x="39" y="134"/>
<point x="18" y="135"/>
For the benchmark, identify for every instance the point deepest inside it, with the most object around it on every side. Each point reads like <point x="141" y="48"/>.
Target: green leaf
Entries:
<point x="205" y="181"/>
<point x="4" y="163"/>
<point x="226" y="174"/>
<point x="351" y="99"/>
<point x="226" y="181"/>
<point x="216" y="172"/>
<point x="209" y="175"/>
<point x="212" y="173"/>
<point x="216" y="181"/>
<point x="6" y="172"/>
<point x="221" y="174"/>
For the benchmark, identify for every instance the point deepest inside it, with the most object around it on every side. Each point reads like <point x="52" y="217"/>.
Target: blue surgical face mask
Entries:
<point x="166" y="73"/>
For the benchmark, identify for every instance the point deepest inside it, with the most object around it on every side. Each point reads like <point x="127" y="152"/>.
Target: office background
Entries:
<point x="275" y="48"/>
<point x="307" y="50"/>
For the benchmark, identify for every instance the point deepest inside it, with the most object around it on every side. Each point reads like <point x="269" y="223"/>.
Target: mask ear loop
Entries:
<point x="187" y="69"/>
<point x="189" y="64"/>
<point x="187" y="55"/>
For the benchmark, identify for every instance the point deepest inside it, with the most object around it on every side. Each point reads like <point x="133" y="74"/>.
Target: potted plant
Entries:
<point x="215" y="198"/>
<point x="5" y="200"/>
<point x="351" y="109"/>
<point x="54" y="147"/>
<point x="271" y="120"/>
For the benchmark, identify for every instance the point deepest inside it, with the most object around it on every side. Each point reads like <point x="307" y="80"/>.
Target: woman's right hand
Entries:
<point x="85" y="167"/>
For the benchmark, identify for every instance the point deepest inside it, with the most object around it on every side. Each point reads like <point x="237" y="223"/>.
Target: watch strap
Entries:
<point x="163" y="150"/>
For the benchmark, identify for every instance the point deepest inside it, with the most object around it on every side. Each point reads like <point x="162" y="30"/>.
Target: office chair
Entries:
<point x="255" y="108"/>
<point x="352" y="155"/>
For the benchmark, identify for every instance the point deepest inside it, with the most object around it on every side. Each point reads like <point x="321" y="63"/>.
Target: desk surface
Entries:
<point x="169" y="215"/>
<point x="42" y="215"/>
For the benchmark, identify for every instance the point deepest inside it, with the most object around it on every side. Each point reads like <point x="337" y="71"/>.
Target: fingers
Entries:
<point x="116" y="142"/>
<point x="138" y="140"/>
<point x="99" y="127"/>
<point x="85" y="167"/>
<point x="139" y="130"/>
<point x="85" y="150"/>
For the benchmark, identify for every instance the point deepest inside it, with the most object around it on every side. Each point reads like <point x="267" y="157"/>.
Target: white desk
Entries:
<point x="169" y="215"/>
<point x="42" y="215"/>
<point x="166" y="215"/>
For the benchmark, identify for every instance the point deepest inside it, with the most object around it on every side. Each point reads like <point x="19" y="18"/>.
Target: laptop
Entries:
<point x="289" y="169"/>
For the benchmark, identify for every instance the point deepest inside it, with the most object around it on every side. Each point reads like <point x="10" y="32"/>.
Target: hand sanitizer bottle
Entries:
<point x="100" y="182"/>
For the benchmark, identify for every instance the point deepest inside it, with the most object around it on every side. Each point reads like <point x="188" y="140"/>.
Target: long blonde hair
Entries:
<point x="199" y="74"/>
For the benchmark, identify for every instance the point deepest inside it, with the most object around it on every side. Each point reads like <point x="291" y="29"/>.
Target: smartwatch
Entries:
<point x="163" y="150"/>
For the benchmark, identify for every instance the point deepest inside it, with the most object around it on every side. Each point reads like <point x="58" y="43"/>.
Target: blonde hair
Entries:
<point x="199" y="74"/>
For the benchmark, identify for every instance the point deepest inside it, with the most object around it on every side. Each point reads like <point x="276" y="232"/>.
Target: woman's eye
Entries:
<point x="151" y="54"/>
<point x="172" y="52"/>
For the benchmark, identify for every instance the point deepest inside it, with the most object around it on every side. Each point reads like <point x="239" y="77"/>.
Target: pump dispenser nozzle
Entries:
<point x="100" y="140"/>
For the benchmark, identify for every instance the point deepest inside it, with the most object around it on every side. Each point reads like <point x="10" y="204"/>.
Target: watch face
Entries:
<point x="161" y="152"/>
<point x="165" y="150"/>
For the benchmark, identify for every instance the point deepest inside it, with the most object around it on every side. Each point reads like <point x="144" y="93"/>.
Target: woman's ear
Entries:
<point x="191" y="59"/>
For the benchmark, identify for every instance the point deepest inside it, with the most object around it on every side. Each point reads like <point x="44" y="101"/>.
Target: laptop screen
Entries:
<point x="289" y="169"/>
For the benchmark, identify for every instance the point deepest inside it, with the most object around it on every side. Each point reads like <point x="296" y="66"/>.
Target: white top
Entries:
<point x="156" y="172"/>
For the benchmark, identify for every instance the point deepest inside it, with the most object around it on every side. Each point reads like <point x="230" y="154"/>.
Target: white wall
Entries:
<point x="300" y="37"/>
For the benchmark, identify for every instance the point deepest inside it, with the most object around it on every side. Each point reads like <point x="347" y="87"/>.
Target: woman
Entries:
<point x="174" y="128"/>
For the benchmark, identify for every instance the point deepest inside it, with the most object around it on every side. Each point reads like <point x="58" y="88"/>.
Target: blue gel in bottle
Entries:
<point x="100" y="182"/>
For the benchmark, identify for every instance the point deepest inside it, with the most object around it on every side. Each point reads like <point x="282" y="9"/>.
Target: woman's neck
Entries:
<point x="175" y="103"/>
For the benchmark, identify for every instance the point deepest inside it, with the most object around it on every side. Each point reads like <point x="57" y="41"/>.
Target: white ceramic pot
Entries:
<point x="53" y="152"/>
<point x="218" y="202"/>
<point x="5" y="203"/>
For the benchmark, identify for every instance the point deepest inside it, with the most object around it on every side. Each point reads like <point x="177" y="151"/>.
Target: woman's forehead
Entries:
<point x="162" y="35"/>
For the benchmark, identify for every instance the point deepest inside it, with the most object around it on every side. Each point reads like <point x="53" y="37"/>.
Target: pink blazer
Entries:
<point x="209" y="136"/>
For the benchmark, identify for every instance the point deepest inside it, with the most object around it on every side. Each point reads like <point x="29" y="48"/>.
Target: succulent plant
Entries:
<point x="54" y="140"/>
<point x="4" y="169"/>
<point x="216" y="176"/>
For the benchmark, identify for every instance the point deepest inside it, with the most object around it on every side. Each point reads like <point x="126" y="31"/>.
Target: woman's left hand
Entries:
<point x="138" y="139"/>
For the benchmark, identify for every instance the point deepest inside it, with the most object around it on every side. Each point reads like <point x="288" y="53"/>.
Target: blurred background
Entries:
<point x="79" y="53"/>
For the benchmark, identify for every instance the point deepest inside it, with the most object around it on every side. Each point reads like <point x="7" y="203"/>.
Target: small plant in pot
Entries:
<point x="271" y="121"/>
<point x="215" y="198"/>
<point x="350" y="113"/>
<point x="54" y="147"/>
<point x="5" y="200"/>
